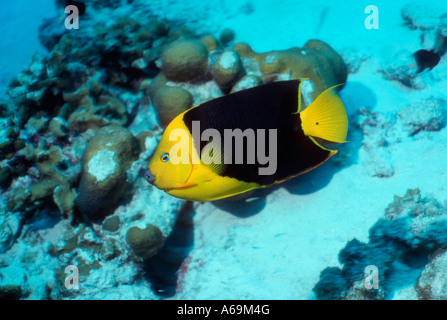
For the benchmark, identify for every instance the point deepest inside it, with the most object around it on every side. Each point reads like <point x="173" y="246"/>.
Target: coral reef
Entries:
<point x="414" y="226"/>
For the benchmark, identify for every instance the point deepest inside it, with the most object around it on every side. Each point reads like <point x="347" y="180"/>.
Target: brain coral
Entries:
<point x="104" y="164"/>
<point x="184" y="60"/>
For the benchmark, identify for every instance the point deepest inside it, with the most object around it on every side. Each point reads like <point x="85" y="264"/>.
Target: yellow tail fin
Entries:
<point x="326" y="117"/>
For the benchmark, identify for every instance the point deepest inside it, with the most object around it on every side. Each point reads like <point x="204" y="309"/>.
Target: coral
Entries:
<point x="227" y="35"/>
<point x="170" y="102"/>
<point x="210" y="42"/>
<point x="228" y="69"/>
<point x="52" y="183"/>
<point x="145" y="242"/>
<point x="413" y="227"/>
<point x="316" y="61"/>
<point x="59" y="127"/>
<point x="103" y="179"/>
<point x="184" y="60"/>
<point x="63" y="197"/>
<point x="107" y="111"/>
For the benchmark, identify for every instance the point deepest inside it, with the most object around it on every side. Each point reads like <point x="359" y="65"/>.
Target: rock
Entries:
<point x="184" y="60"/>
<point x="432" y="283"/>
<point x="104" y="164"/>
<point x="11" y="292"/>
<point x="170" y="102"/>
<point x="145" y="242"/>
<point x="10" y="226"/>
<point x="6" y="148"/>
<point x="429" y="115"/>
<point x="5" y="177"/>
<point x="111" y="224"/>
<point x="12" y="133"/>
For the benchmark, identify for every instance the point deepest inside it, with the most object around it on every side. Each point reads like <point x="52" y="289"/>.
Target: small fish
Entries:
<point x="81" y="6"/>
<point x="426" y="59"/>
<point x="275" y="105"/>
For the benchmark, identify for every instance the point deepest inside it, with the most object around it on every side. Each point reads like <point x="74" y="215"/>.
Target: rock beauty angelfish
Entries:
<point x="275" y="105"/>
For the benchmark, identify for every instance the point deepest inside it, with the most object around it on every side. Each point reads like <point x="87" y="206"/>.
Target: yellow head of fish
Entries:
<point x="164" y="170"/>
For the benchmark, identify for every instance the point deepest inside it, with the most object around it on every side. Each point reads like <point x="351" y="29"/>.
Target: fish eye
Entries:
<point x="165" y="157"/>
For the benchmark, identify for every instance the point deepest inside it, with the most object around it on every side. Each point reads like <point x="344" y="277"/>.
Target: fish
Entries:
<point x="296" y="141"/>
<point x="426" y="59"/>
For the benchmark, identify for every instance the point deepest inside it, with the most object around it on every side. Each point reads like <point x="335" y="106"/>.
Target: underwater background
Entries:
<point x="371" y="223"/>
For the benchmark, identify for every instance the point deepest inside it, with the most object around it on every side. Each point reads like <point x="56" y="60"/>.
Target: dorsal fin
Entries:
<point x="326" y="117"/>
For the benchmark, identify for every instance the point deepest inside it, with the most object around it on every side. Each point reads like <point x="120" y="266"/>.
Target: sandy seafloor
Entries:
<point x="276" y="247"/>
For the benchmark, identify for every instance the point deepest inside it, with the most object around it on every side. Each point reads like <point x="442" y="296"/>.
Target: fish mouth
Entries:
<point x="148" y="176"/>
